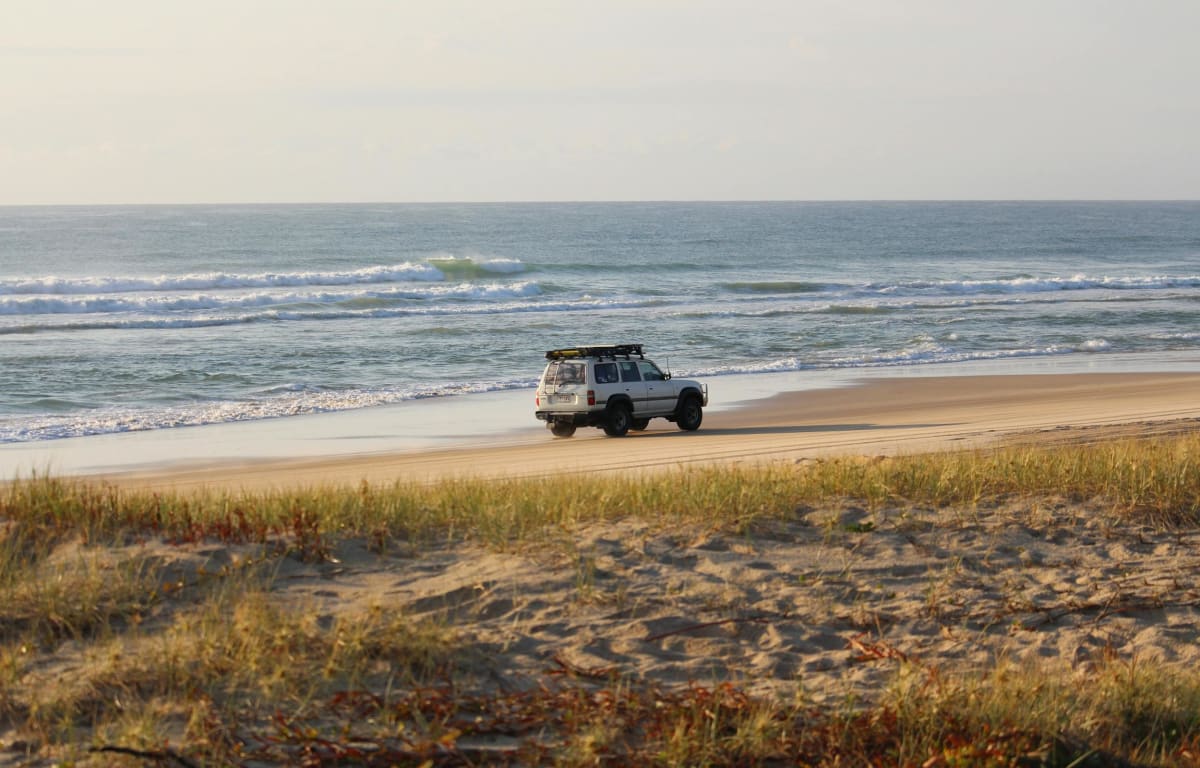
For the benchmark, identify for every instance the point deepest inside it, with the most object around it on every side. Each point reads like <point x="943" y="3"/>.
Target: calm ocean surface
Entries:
<point x="115" y="319"/>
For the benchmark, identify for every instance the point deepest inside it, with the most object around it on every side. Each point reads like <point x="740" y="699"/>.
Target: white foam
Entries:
<point x="502" y="266"/>
<point x="281" y="401"/>
<point x="921" y="354"/>
<point x="54" y="285"/>
<point x="341" y="312"/>
<point x="1075" y="282"/>
<point x="157" y="303"/>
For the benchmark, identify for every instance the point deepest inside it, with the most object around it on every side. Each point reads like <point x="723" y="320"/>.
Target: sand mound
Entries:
<point x="825" y="605"/>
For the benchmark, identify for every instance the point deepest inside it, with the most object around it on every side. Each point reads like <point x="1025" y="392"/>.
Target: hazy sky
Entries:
<point x="130" y="101"/>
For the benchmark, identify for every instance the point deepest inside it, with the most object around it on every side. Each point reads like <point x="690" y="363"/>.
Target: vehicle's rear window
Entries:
<point x="562" y="372"/>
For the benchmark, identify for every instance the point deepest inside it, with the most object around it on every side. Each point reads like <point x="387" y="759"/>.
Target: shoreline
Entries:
<point x="866" y="416"/>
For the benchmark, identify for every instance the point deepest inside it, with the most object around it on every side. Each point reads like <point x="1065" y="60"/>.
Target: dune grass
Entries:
<point x="1155" y="482"/>
<point x="103" y="645"/>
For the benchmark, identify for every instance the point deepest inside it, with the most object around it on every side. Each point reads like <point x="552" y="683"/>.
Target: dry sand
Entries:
<point x="825" y="606"/>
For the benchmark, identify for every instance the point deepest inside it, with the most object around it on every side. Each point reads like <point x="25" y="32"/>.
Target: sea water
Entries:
<point x="119" y="319"/>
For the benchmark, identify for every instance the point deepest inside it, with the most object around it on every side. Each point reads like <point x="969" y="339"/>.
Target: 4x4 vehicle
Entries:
<point x="616" y="388"/>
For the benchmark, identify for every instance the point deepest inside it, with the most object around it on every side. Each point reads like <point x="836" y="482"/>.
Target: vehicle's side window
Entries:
<point x="650" y="372"/>
<point x="606" y="373"/>
<point x="629" y="372"/>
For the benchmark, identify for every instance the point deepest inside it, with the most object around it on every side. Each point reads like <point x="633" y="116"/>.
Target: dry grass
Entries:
<point x="102" y="644"/>
<point x="1152" y="481"/>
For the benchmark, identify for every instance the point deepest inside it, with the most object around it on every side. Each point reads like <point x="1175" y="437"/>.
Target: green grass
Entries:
<point x="101" y="645"/>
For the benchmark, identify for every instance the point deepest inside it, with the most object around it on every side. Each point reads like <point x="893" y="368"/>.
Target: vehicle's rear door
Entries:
<point x="565" y="385"/>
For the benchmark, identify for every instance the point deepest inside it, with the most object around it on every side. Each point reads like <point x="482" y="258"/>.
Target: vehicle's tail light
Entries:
<point x="591" y="397"/>
<point x="537" y="400"/>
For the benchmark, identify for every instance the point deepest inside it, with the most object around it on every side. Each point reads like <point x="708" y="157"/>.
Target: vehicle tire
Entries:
<point x="639" y="425"/>
<point x="562" y="428"/>
<point x="689" y="414"/>
<point x="617" y="420"/>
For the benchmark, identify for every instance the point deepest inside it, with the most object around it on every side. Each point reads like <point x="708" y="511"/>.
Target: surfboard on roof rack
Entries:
<point x="613" y="351"/>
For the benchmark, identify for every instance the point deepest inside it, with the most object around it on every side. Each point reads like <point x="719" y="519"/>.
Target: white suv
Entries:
<point x="615" y="387"/>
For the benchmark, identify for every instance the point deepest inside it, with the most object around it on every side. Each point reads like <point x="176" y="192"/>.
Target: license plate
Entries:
<point x="562" y="398"/>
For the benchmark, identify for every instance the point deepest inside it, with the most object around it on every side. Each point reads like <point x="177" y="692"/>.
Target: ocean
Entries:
<point x="118" y="319"/>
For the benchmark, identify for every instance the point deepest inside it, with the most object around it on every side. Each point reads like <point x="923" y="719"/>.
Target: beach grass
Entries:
<point x="1156" y="482"/>
<point x="107" y="644"/>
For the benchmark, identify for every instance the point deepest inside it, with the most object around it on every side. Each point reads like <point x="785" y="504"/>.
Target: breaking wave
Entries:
<point x="138" y="322"/>
<point x="209" y="302"/>
<point x="436" y="269"/>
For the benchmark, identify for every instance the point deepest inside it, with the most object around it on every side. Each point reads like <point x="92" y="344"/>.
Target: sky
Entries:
<point x="239" y="101"/>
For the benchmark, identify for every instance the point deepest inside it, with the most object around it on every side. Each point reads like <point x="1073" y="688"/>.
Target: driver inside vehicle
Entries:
<point x="650" y="372"/>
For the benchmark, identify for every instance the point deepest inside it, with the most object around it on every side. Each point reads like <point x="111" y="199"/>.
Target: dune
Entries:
<point x="827" y="606"/>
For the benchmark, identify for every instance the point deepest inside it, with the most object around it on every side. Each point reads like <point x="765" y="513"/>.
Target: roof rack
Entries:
<point x="603" y="350"/>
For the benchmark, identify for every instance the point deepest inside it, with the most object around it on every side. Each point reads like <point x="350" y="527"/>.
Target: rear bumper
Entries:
<point x="578" y="418"/>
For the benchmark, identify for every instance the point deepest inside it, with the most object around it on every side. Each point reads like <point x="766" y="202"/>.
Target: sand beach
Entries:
<point x="864" y="416"/>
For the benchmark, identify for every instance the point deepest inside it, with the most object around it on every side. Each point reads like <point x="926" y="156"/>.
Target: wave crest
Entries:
<point x="437" y="268"/>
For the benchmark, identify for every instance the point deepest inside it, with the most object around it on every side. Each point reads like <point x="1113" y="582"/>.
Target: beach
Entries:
<point x="859" y="416"/>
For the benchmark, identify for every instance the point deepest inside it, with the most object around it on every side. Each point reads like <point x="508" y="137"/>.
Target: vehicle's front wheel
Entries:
<point x="617" y="420"/>
<point x="689" y="414"/>
<point x="562" y="428"/>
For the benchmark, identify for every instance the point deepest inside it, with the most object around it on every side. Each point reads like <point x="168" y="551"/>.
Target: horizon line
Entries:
<point x="648" y="201"/>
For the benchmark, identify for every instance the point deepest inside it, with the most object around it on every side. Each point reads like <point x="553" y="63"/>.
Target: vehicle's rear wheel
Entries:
<point x="617" y="420"/>
<point x="562" y="428"/>
<point x="639" y="424"/>
<point x="689" y="414"/>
